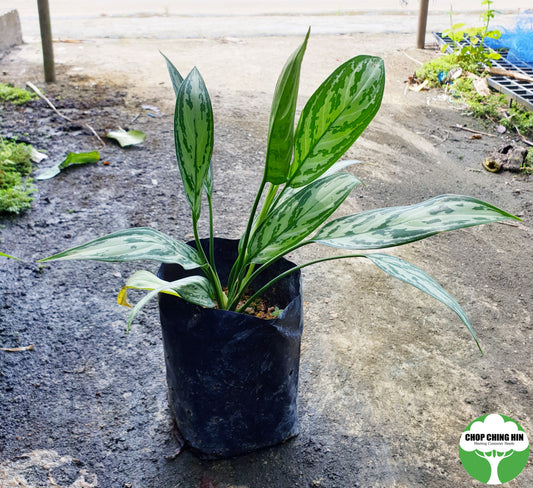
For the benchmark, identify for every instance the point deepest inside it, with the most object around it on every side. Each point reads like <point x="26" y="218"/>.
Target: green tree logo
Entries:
<point x="494" y="449"/>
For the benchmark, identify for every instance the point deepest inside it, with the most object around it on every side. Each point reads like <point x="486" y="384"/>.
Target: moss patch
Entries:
<point x="15" y="185"/>
<point x="15" y="95"/>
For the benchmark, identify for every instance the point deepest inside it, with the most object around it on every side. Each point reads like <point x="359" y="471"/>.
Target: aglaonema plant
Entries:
<point x="302" y="185"/>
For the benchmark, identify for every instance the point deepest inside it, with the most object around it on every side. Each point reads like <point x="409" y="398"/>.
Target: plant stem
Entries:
<point x="267" y="204"/>
<point x="211" y="233"/>
<point x="251" y="276"/>
<point x="236" y="268"/>
<point x="282" y="275"/>
<point x="209" y="271"/>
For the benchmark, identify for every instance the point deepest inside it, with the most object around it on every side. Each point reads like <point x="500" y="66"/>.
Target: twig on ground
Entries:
<point x="413" y="59"/>
<point x="511" y="224"/>
<point x="52" y="482"/>
<point x="457" y="126"/>
<point x="17" y="349"/>
<point x="524" y="140"/>
<point x="40" y="95"/>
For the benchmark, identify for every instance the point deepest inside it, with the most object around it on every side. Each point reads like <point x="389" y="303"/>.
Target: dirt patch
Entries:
<point x="389" y="378"/>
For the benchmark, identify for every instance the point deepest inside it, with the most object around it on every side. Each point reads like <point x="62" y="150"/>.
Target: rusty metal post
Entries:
<point x="422" y="23"/>
<point x="46" y="41"/>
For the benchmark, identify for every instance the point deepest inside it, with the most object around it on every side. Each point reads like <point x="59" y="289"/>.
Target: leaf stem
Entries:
<point x="251" y="276"/>
<point x="211" y="233"/>
<point x="282" y="275"/>
<point x="236" y="268"/>
<point x="267" y="204"/>
<point x="209" y="271"/>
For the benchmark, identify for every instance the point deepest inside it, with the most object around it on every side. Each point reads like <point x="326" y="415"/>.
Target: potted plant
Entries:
<point x="231" y="311"/>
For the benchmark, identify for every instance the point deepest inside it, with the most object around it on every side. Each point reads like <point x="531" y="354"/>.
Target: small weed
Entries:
<point x="473" y="53"/>
<point x="17" y="96"/>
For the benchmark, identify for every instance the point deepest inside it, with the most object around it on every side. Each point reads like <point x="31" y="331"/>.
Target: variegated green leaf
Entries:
<point x="298" y="216"/>
<point x="208" y="183"/>
<point x="177" y="80"/>
<point x="193" y="135"/>
<point x="175" y="75"/>
<point x="133" y="244"/>
<point x="335" y="116"/>
<point x="281" y="131"/>
<point x="338" y="166"/>
<point x="194" y="289"/>
<point x="393" y="226"/>
<point x="419" y="279"/>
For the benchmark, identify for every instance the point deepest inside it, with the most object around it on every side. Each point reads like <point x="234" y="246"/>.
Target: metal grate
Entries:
<point x="520" y="91"/>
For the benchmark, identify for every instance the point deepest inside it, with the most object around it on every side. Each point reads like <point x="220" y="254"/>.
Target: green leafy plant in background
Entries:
<point x="15" y="185"/>
<point x="469" y="52"/>
<point x="302" y="185"/>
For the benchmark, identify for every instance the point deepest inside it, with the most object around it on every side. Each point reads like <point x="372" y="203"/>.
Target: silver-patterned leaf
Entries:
<point x="419" y="279"/>
<point x="335" y="116"/>
<point x="193" y="136"/>
<point x="393" y="226"/>
<point x="133" y="244"/>
<point x="281" y="130"/>
<point x="194" y="289"/>
<point x="208" y="183"/>
<point x="299" y="215"/>
<point x="175" y="76"/>
<point x="335" y="168"/>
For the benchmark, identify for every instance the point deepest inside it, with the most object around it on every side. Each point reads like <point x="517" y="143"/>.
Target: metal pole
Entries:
<point x="46" y="41"/>
<point x="422" y="23"/>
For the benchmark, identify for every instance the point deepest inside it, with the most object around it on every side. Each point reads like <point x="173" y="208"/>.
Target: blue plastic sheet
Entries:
<point x="517" y="39"/>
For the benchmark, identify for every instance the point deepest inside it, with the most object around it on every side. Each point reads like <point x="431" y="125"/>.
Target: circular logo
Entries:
<point x="494" y="449"/>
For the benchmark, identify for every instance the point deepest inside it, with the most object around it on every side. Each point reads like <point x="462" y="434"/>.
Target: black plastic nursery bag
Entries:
<point x="233" y="378"/>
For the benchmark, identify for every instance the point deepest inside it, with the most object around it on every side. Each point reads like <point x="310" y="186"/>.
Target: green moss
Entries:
<point x="15" y="157"/>
<point x="15" y="187"/>
<point x="15" y="95"/>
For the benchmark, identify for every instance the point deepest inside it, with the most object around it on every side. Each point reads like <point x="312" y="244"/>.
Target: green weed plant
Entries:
<point x="468" y="41"/>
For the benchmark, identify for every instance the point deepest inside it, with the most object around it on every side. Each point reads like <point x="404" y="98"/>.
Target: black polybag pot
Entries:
<point x="233" y="378"/>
